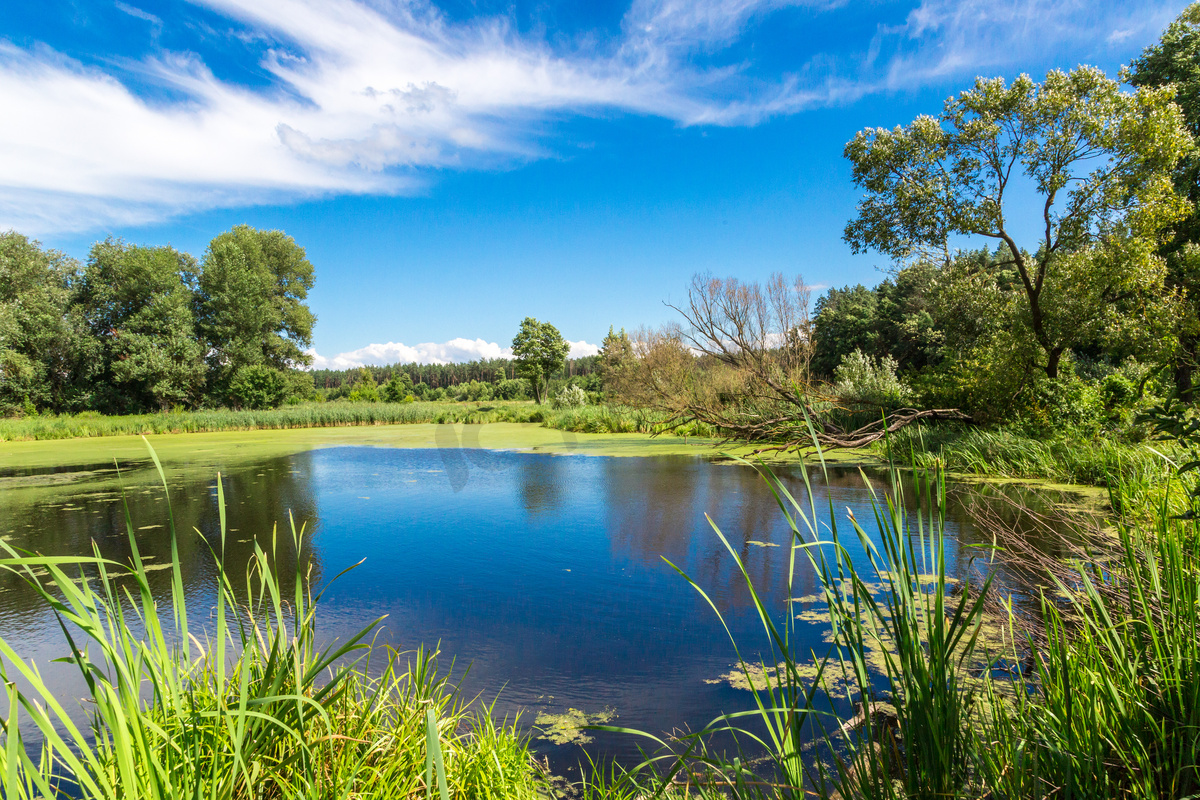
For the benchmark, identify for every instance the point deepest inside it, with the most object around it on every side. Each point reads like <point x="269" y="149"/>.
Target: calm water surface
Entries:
<point x="544" y="573"/>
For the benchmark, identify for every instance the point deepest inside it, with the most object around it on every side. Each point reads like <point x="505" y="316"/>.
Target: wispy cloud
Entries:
<point x="944" y="38"/>
<point x="454" y="351"/>
<point x="138" y="13"/>
<point x="376" y="98"/>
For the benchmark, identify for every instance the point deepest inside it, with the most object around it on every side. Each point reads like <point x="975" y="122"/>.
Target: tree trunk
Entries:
<point x="1053" y="356"/>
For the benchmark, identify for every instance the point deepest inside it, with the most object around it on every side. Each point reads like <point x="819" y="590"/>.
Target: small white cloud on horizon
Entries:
<point x="455" y="351"/>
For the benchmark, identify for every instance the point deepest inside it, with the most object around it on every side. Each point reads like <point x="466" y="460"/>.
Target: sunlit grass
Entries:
<point x="248" y="706"/>
<point x="948" y="698"/>
<point x="587" y="419"/>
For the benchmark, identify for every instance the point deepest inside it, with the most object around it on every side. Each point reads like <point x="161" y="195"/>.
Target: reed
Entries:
<point x="588" y="419"/>
<point x="927" y="692"/>
<point x="250" y="707"/>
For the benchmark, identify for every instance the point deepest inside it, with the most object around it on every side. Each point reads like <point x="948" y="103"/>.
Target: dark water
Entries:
<point x="544" y="573"/>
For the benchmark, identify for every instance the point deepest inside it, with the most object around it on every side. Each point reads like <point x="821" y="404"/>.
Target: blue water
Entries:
<point x="544" y="573"/>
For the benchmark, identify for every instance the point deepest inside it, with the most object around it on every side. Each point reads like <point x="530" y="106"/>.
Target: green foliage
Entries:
<point x="846" y="321"/>
<point x="511" y="389"/>
<point x="571" y="396"/>
<point x="472" y="391"/>
<point x="540" y="351"/>
<point x="257" y="386"/>
<point x="250" y="305"/>
<point x="862" y="379"/>
<point x="1100" y="160"/>
<point x="137" y="309"/>
<point x="365" y="389"/>
<point x="41" y="339"/>
<point x="398" y="387"/>
<point x="1174" y="63"/>
<point x="616" y="359"/>
<point x="299" y="386"/>
<point x="1047" y="408"/>
<point x="260" y="709"/>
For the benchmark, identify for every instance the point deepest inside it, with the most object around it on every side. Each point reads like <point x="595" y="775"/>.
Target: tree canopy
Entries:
<point x="149" y="328"/>
<point x="1174" y="63"/>
<point x="138" y="310"/>
<point x="39" y="336"/>
<point x="1099" y="159"/>
<point x="539" y="351"/>
<point x="250" y="307"/>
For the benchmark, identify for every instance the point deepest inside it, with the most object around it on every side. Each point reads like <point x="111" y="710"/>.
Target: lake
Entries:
<point x="544" y="573"/>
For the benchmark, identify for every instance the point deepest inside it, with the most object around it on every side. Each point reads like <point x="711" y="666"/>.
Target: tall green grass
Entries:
<point x="927" y="692"/>
<point x="588" y="419"/>
<point x="251" y="707"/>
<point x="1138" y="478"/>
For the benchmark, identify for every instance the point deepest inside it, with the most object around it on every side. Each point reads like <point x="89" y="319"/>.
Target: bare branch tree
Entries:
<point x="741" y="363"/>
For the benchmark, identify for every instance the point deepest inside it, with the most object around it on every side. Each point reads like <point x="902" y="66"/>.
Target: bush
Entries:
<point x="1051" y="407"/>
<point x="398" y="388"/>
<point x="511" y="389"/>
<point x="571" y="396"/>
<point x="300" y="387"/>
<point x="365" y="389"/>
<point x="258" y="386"/>
<point x="472" y="391"/>
<point x="862" y="379"/>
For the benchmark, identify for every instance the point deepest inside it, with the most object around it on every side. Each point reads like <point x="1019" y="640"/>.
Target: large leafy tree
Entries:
<point x="1099" y="161"/>
<point x="540" y="351"/>
<point x="40" y="342"/>
<point x="1175" y="62"/>
<point x="250" y="304"/>
<point x="138" y="310"/>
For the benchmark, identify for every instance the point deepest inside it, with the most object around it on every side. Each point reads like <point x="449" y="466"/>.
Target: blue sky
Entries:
<point x="454" y="167"/>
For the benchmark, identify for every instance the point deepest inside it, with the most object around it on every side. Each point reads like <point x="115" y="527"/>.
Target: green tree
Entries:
<point x="846" y="320"/>
<point x="365" y="390"/>
<point x="138" y="309"/>
<point x="1175" y="62"/>
<point x="1099" y="160"/>
<point x="258" y="386"/>
<point x="540" y="351"/>
<point x="41" y="346"/>
<point x="616" y="356"/>
<point x="250" y="304"/>
<point x="398" y="388"/>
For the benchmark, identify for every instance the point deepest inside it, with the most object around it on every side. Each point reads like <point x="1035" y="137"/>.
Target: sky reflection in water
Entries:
<point x="544" y="573"/>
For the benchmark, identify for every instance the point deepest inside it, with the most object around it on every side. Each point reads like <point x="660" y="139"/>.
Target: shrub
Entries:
<point x="862" y="379"/>
<point x="365" y="389"/>
<point x="1049" y="407"/>
<point x="511" y="389"/>
<point x="398" y="388"/>
<point x="258" y="386"/>
<point x="571" y="396"/>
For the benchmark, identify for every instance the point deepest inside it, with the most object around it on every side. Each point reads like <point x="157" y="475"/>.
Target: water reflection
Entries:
<point x="544" y="573"/>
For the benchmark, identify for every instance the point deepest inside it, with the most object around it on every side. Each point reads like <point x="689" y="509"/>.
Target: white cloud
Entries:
<point x="451" y="352"/>
<point x="945" y="38"/>
<point x="373" y="98"/>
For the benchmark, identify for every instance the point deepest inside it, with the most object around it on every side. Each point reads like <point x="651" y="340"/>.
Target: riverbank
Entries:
<point x="585" y="419"/>
<point x="1132" y="478"/>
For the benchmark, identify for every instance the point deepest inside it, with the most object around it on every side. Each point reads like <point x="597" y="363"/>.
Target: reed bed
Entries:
<point x="251" y="707"/>
<point x="926" y="692"/>
<point x="587" y="419"/>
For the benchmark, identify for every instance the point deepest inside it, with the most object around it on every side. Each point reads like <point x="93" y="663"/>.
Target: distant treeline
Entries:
<point x="441" y="376"/>
<point x="137" y="329"/>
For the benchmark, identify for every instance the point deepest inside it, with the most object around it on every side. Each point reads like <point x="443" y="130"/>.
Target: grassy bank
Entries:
<point x="933" y="688"/>
<point x="250" y="706"/>
<point x="587" y="419"/>
<point x="1137" y="476"/>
